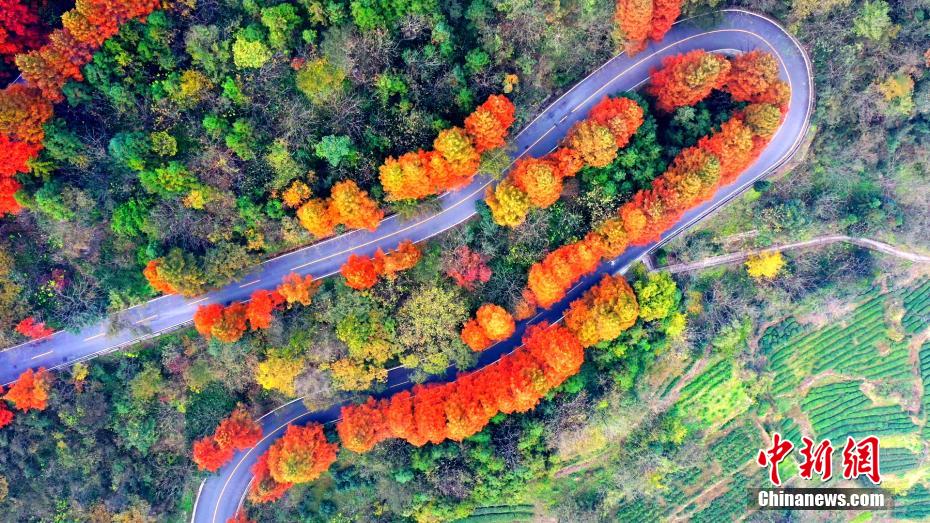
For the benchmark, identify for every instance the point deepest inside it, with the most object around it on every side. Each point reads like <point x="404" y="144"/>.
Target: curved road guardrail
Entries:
<point x="735" y="31"/>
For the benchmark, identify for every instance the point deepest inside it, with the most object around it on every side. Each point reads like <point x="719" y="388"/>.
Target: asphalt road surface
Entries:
<point x="729" y="31"/>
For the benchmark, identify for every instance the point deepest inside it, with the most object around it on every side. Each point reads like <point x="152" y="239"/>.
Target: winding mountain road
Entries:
<point x="732" y="31"/>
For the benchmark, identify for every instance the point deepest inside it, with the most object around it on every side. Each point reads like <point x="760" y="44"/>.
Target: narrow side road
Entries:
<point x="741" y="256"/>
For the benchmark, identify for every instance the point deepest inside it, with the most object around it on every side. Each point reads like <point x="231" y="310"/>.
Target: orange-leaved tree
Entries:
<point x="262" y="304"/>
<point x="295" y="288"/>
<point x="753" y="76"/>
<point x="363" y="426"/>
<point x="604" y="312"/>
<point x="209" y="455"/>
<point x="362" y="273"/>
<point x="763" y="120"/>
<point x="638" y="20"/>
<point x="404" y="257"/>
<point x="231" y="325"/>
<point x="492" y="323"/>
<point x="509" y="205"/>
<point x="347" y="205"/>
<point x="264" y="488"/>
<point x="240" y="517"/>
<point x="456" y="148"/>
<point x="15" y="155"/>
<point x="205" y="317"/>
<point x="22" y="115"/>
<point x="594" y="142"/>
<point x="664" y="14"/>
<point x="8" y="189"/>
<point x="155" y="279"/>
<point x="455" y="156"/>
<point x="14" y="158"/>
<point x="623" y="116"/>
<point x="733" y="147"/>
<point x="634" y="20"/>
<point x="30" y="391"/>
<point x="473" y="335"/>
<point x="686" y="79"/>
<point x="359" y="272"/>
<point x="6" y="415"/>
<point x="490" y="123"/>
<point x="411" y="175"/>
<point x="226" y="324"/>
<point x="557" y="348"/>
<point x="461" y="408"/>
<point x="552" y="277"/>
<point x="314" y="216"/>
<point x="238" y="431"/>
<point x="23" y="112"/>
<point x="301" y="455"/>
<point x="352" y="207"/>
<point x="33" y="329"/>
<point x="539" y="179"/>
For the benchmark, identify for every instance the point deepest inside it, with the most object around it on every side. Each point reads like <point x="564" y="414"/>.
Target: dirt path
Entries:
<point x="816" y="242"/>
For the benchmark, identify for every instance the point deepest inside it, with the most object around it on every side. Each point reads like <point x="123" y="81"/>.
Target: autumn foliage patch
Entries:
<point x="491" y="323"/>
<point x="348" y="205"/>
<point x="300" y="456"/>
<point x="33" y="329"/>
<point x="23" y="112"/>
<point x="84" y="29"/>
<point x="20" y="29"/>
<point x="455" y="156"/>
<point x="639" y="20"/>
<point x="264" y="488"/>
<point x="30" y="391"/>
<point x="362" y="273"/>
<point x="461" y="408"/>
<point x="229" y="323"/>
<point x="237" y="432"/>
<point x="692" y="177"/>
<point x="686" y="79"/>
<point x="24" y="108"/>
<point x="537" y="182"/>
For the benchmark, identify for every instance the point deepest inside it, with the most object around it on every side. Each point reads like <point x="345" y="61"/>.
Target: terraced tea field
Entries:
<point x="865" y="373"/>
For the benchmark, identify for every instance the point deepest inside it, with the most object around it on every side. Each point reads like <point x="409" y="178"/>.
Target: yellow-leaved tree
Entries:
<point x="278" y="372"/>
<point x="766" y="265"/>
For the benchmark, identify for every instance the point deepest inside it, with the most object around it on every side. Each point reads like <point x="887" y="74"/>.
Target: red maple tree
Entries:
<point x="261" y="305"/>
<point x="238" y="431"/>
<point x="33" y="329"/>
<point x="360" y="272"/>
<point x="209" y="455"/>
<point x="30" y="391"/>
